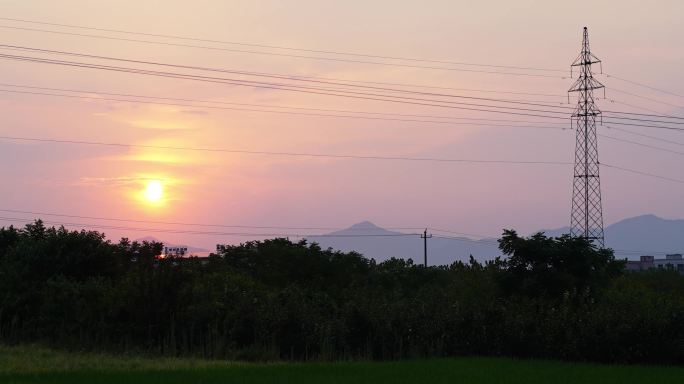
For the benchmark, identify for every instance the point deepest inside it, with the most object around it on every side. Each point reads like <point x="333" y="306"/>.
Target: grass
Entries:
<point x="37" y="365"/>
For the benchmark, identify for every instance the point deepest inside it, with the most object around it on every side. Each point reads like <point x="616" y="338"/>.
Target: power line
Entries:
<point x="335" y="156"/>
<point x="460" y="233"/>
<point x="643" y="173"/>
<point x="645" y="120"/>
<point x="647" y="98"/>
<point x="192" y="224"/>
<point x="411" y="85"/>
<point x="485" y="238"/>
<point x="494" y="242"/>
<point x="284" y="54"/>
<point x="289" y="107"/>
<point x="255" y="83"/>
<point x="277" y="47"/>
<point x="446" y="122"/>
<point x="301" y="89"/>
<point x="646" y="136"/>
<point x="645" y="86"/>
<point x="302" y="113"/>
<point x="279" y="77"/>
<point x="466" y="240"/>
<point x="390" y="158"/>
<point x="211" y="233"/>
<point x="395" y="99"/>
<point x="91" y="92"/>
<point x="642" y="144"/>
<point x="298" y="154"/>
<point x="312" y="236"/>
<point x="644" y="125"/>
<point x="369" y="56"/>
<point x="645" y="114"/>
<point x="226" y="225"/>
<point x="613" y="100"/>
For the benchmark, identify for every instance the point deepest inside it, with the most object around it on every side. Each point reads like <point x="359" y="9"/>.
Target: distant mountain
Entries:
<point x="647" y="234"/>
<point x="381" y="244"/>
<point x="191" y="250"/>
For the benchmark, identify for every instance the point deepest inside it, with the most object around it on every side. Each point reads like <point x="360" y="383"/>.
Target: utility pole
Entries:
<point x="586" y="219"/>
<point x="425" y="236"/>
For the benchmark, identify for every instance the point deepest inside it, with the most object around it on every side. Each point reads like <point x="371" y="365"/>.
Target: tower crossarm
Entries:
<point x="585" y="84"/>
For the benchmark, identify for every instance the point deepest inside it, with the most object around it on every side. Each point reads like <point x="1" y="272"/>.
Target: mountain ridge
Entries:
<point x="630" y="237"/>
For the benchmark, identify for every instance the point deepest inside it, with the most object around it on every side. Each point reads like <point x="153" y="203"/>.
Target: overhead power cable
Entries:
<point x="646" y="136"/>
<point x="460" y="233"/>
<point x="337" y="53"/>
<point x="645" y="86"/>
<point x="278" y="47"/>
<point x="640" y="107"/>
<point x="299" y="154"/>
<point x="209" y="233"/>
<point x="97" y="93"/>
<point x="272" y="76"/>
<point x="298" y="113"/>
<point x="466" y="240"/>
<point x="560" y="98"/>
<point x="646" y="114"/>
<point x="610" y="116"/>
<point x="91" y="94"/>
<point x="641" y="144"/>
<point x="493" y="241"/>
<point x="83" y="226"/>
<point x="340" y="156"/>
<point x="490" y="242"/>
<point x="647" y="98"/>
<point x="491" y="72"/>
<point x="613" y="114"/>
<point x="194" y="224"/>
<point x="642" y="173"/>
<point x="302" y="89"/>
<point x="611" y="122"/>
<point x="486" y="238"/>
<point x="233" y="226"/>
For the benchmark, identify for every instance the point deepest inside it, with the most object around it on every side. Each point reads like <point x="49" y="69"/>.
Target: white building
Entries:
<point x="175" y="251"/>
<point x="672" y="261"/>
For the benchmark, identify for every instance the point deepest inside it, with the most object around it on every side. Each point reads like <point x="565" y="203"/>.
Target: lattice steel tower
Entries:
<point x="587" y="217"/>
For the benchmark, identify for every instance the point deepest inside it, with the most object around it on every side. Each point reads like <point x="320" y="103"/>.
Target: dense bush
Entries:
<point x="275" y="299"/>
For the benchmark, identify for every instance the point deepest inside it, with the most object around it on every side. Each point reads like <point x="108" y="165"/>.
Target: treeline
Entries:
<point x="556" y="298"/>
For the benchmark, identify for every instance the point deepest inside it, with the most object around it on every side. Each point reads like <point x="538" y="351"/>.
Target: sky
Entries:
<point x="637" y="41"/>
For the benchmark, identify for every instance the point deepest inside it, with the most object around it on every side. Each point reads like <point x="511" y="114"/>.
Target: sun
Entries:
<point x="154" y="191"/>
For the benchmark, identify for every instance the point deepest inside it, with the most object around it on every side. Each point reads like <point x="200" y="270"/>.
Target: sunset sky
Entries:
<point x="640" y="43"/>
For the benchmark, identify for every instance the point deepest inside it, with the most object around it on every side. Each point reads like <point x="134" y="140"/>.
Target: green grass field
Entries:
<point x="36" y="365"/>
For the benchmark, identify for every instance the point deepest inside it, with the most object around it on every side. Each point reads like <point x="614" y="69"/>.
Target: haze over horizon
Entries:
<point x="629" y="238"/>
<point x="149" y="183"/>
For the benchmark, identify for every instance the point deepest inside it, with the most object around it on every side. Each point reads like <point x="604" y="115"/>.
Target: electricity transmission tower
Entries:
<point x="586" y="218"/>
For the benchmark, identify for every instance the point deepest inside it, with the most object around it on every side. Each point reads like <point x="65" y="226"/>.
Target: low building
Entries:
<point x="175" y="251"/>
<point x="644" y="263"/>
<point x="673" y="261"/>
